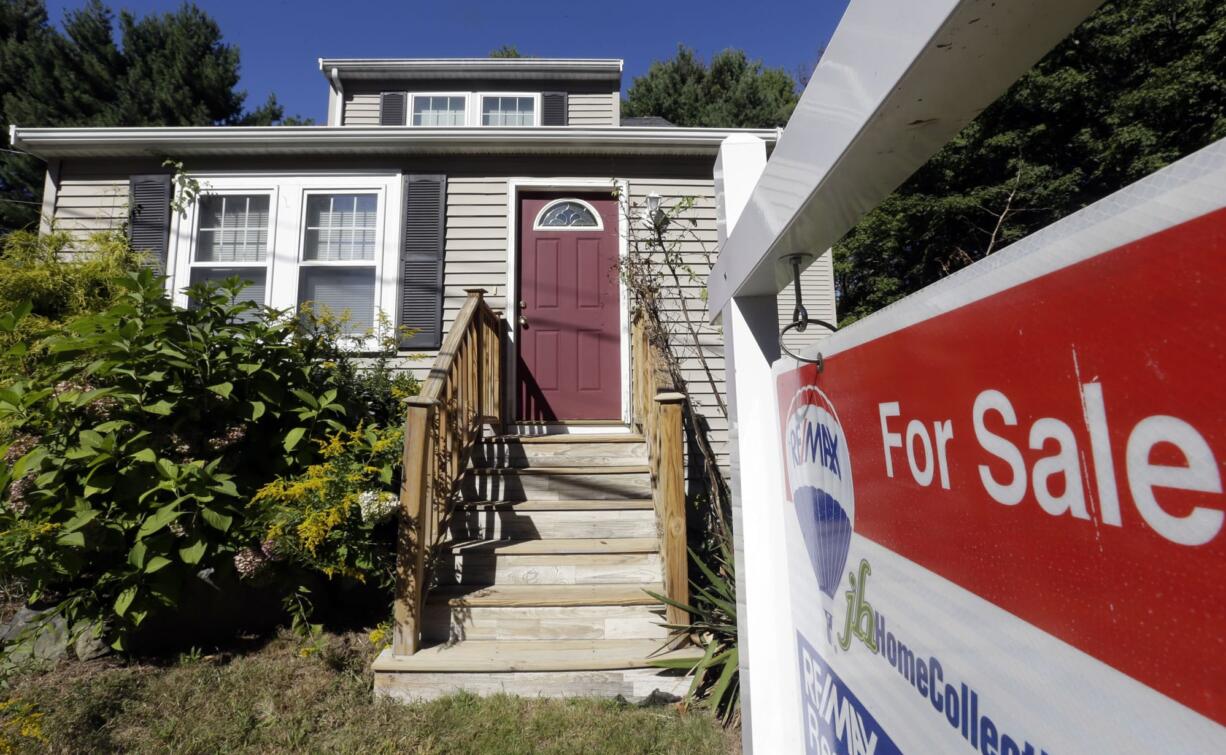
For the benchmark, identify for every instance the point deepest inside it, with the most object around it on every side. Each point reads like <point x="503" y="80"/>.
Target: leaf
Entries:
<point x="124" y="600"/>
<point x="162" y="408"/>
<point x="222" y="389"/>
<point x="136" y="556"/>
<point x="293" y="437"/>
<point x="146" y="455"/>
<point x="305" y="397"/>
<point x="156" y="563"/>
<point x="80" y="520"/>
<point x="72" y="539"/>
<point x="191" y="554"/>
<point x="216" y="519"/>
<point x="257" y="410"/>
<point x="158" y="520"/>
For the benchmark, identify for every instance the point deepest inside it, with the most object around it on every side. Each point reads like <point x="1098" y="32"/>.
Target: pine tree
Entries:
<point x="172" y="69"/>
<point x="733" y="92"/>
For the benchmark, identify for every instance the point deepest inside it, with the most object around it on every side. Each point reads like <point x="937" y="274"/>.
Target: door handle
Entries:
<point x="523" y="321"/>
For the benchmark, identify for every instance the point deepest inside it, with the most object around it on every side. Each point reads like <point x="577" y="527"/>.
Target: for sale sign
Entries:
<point x="1005" y="496"/>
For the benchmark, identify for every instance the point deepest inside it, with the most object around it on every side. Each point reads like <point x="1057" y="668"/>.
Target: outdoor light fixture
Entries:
<point x="654" y="216"/>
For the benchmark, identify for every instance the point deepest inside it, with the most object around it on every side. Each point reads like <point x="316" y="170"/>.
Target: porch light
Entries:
<point x="654" y="216"/>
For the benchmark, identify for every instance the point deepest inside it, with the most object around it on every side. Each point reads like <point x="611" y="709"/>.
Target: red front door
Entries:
<point x="570" y="328"/>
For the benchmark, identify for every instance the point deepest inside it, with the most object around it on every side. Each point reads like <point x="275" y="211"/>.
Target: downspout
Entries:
<point x="338" y="92"/>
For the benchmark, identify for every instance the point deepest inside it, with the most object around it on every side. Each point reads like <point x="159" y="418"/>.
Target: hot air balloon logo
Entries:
<point x="819" y="476"/>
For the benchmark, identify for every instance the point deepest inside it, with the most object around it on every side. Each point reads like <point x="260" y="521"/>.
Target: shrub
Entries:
<point x="141" y="433"/>
<point x="56" y="283"/>
<point x="335" y="518"/>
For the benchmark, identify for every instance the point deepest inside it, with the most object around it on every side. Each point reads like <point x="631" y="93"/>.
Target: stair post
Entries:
<point x="414" y="533"/>
<point x="669" y="493"/>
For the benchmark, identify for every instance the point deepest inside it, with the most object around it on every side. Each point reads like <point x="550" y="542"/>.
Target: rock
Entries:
<point x="38" y="635"/>
<point x="89" y="645"/>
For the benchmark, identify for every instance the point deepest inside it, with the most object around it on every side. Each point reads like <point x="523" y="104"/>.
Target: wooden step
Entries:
<point x="511" y="523"/>
<point x="567" y="453"/>
<point x="444" y="623"/>
<point x="564" y="438"/>
<point x="557" y="483"/>
<point x="557" y="545"/>
<point x="632" y="685"/>
<point x="546" y="595"/>
<point x="629" y="504"/>
<point x="492" y="567"/>
<point x="545" y="471"/>
<point x="499" y="656"/>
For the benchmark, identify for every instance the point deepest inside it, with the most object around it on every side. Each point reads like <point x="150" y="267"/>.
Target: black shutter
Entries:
<point x="149" y="216"/>
<point x="421" y="261"/>
<point x="392" y="107"/>
<point x="553" y="109"/>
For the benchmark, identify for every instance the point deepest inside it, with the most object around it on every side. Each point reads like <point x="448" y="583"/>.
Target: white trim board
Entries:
<point x="1182" y="191"/>
<point x="514" y="186"/>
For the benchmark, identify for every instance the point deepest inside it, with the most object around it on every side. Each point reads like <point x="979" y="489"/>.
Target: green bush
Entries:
<point x="56" y="283"/>
<point x="141" y="433"/>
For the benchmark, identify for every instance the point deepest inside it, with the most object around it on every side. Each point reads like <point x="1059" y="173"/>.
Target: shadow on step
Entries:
<point x="504" y="486"/>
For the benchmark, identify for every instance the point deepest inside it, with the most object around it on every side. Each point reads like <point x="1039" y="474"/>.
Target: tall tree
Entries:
<point x="172" y="69"/>
<point x="1139" y="84"/>
<point x="732" y="92"/>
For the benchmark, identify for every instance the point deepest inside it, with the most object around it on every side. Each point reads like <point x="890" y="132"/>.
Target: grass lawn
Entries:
<point x="271" y="699"/>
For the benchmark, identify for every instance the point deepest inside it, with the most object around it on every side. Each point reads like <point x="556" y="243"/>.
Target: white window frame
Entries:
<point x="480" y="107"/>
<point x="536" y="222"/>
<point x="287" y="234"/>
<point x="190" y="263"/>
<point x="468" y="102"/>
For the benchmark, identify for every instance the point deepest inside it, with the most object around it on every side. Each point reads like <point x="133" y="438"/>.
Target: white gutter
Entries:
<point x="382" y="140"/>
<point x="585" y="68"/>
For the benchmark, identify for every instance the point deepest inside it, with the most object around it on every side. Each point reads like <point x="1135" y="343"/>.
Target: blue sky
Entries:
<point x="280" y="40"/>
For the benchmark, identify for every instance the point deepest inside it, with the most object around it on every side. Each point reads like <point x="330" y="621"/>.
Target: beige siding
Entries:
<point x="361" y="109"/>
<point x="593" y="109"/>
<point x="84" y="206"/>
<point x="683" y="305"/>
<point x="817" y="290"/>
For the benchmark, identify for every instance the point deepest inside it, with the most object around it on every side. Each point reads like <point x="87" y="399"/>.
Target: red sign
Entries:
<point x="1057" y="449"/>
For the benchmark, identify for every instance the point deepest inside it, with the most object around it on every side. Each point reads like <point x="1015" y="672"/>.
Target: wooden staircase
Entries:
<point x="541" y="584"/>
<point x="525" y="561"/>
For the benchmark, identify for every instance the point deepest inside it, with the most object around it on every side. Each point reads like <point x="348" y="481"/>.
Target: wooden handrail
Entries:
<point x="462" y="394"/>
<point x="657" y="409"/>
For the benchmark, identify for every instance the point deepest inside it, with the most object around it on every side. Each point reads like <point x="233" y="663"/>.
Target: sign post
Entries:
<point x="1006" y="520"/>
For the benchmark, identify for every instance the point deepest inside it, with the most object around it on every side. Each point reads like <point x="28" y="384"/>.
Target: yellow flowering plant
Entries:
<point x="337" y="516"/>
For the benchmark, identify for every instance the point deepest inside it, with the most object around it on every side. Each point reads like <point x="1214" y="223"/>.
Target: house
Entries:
<point x="446" y="194"/>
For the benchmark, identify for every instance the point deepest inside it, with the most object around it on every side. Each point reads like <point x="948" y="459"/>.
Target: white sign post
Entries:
<point x="895" y="83"/>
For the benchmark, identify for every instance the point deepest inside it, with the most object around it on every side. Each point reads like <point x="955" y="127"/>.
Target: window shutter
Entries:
<point x="149" y="216"/>
<point x="392" y="108"/>
<point x="421" y="261"/>
<point x="553" y="109"/>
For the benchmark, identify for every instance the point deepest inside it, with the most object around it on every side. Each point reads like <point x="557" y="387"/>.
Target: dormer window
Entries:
<point x="440" y="109"/>
<point x="508" y="110"/>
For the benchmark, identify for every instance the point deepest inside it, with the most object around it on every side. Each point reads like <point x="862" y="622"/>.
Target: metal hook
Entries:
<point x="800" y="316"/>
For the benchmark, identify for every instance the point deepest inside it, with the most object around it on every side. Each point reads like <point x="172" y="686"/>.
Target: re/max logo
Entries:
<point x="813" y="442"/>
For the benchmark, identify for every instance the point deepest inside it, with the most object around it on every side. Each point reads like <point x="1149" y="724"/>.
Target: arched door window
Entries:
<point x="568" y="214"/>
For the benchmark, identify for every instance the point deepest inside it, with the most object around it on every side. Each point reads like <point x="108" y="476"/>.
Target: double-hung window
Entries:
<point x="232" y="239"/>
<point x="325" y="241"/>
<point x="439" y="110"/>
<point x="508" y="110"/>
<point x="337" y="271"/>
